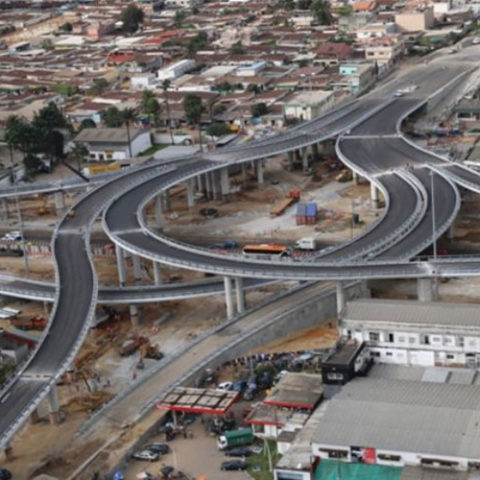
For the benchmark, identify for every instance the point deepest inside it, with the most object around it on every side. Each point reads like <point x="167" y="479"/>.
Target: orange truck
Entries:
<point x="292" y="197"/>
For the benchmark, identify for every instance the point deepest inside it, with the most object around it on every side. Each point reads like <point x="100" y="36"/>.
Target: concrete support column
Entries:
<point x="217" y="189"/>
<point x="225" y="182"/>
<point x="191" y="193"/>
<point x="5" y="212"/>
<point x="199" y="180"/>
<point x="121" y="267"/>
<point x="134" y="318"/>
<point x="244" y="173"/>
<point x="260" y="172"/>
<point x="53" y="405"/>
<point x="355" y="177"/>
<point x="291" y="160"/>
<point x="315" y="154"/>
<point x="427" y="289"/>
<point x="228" y="297"/>
<point x="451" y="231"/>
<point x="157" y="277"/>
<point x="240" y="294"/>
<point x="341" y="297"/>
<point x="137" y="268"/>
<point x="34" y="417"/>
<point x="159" y="218"/>
<point x="304" y="159"/>
<point x="208" y="186"/>
<point x="374" y="195"/>
<point x="166" y="201"/>
<point x="59" y="200"/>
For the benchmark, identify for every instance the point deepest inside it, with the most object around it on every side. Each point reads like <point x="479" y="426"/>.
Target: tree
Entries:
<point x="321" y="12"/>
<point x="131" y="17"/>
<point x="47" y="44"/>
<point x="252" y="87"/>
<point x="193" y="106"/>
<point x="147" y="95"/>
<point x="196" y="43"/>
<point x="99" y="86"/>
<point x="218" y="129"/>
<point x="237" y="48"/>
<point x="304" y="4"/>
<point x="79" y="152"/>
<point x="165" y="87"/>
<point x="50" y="118"/>
<point x="179" y="18"/>
<point x="19" y="135"/>
<point x="153" y="109"/>
<point x="128" y="116"/>
<point x="259" y="109"/>
<point x="112" y="117"/>
<point x="87" y="123"/>
<point x="66" y="27"/>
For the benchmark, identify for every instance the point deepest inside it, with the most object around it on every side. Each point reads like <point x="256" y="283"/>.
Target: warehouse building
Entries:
<point x="415" y="333"/>
<point x="402" y="422"/>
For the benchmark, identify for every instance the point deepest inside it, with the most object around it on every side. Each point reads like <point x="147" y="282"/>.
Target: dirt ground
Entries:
<point x="246" y="215"/>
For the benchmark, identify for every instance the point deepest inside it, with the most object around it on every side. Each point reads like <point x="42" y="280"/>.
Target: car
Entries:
<point x="234" y="465"/>
<point x="238" y="452"/>
<point x="451" y="51"/>
<point x="161" y="448"/>
<point x="398" y="94"/>
<point x="12" y="236"/>
<point x="225" y="386"/>
<point x="5" y="474"/>
<point x="476" y="41"/>
<point x="146" y="455"/>
<point x="145" y="476"/>
<point x="239" y="385"/>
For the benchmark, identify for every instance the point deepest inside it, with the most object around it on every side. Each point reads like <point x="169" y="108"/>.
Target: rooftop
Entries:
<point x="407" y="416"/>
<point x="107" y="135"/>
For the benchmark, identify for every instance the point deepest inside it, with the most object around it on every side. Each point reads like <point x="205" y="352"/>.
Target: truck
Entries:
<point x="307" y="243"/>
<point x="292" y="197"/>
<point x="235" y="438"/>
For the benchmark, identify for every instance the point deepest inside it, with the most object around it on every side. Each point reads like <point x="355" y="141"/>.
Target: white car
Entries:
<point x="476" y="41"/>
<point x="146" y="455"/>
<point x="12" y="236"/>
<point x="225" y="386"/>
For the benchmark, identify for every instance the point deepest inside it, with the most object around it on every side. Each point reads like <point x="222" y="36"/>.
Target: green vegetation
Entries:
<point x="196" y="43"/>
<point x="193" y="106"/>
<point x="66" y="27"/>
<point x="153" y="149"/>
<point x="344" y="10"/>
<point x="65" y="89"/>
<point x="131" y="17"/>
<point x="259" y="109"/>
<point x="179" y="18"/>
<point x="99" y="86"/>
<point x="321" y="12"/>
<point x="6" y="371"/>
<point x="218" y="129"/>
<point x="258" y="464"/>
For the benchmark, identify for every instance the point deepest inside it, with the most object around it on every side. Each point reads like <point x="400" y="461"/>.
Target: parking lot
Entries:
<point x="194" y="457"/>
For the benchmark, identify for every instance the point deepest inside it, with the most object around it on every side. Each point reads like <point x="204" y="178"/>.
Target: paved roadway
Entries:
<point x="77" y="294"/>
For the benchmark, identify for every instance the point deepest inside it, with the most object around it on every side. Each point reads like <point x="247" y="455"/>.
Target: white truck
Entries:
<point x="307" y="243"/>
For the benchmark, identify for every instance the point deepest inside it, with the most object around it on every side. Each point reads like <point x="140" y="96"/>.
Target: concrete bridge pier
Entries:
<point x="5" y="212"/>
<point x="315" y="153"/>
<point x="121" y="267"/>
<point x="341" y="297"/>
<point x="355" y="177"/>
<point x="290" y="159"/>
<point x="137" y="268"/>
<point x="260" y="167"/>
<point x="134" y="317"/>
<point x="224" y="183"/>
<point x="229" y="297"/>
<point x="53" y="405"/>
<point x="191" y="193"/>
<point x="199" y="180"/>
<point x="159" y="218"/>
<point x="166" y="201"/>
<point x="244" y="173"/>
<point x="34" y="417"/>
<point x="374" y="195"/>
<point x="305" y="163"/>
<point x="59" y="201"/>
<point x="427" y="289"/>
<point x="240" y="294"/>
<point x="157" y="277"/>
<point x="217" y="187"/>
<point x="208" y="186"/>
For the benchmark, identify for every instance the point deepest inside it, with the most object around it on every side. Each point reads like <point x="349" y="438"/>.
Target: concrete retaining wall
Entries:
<point x="311" y="313"/>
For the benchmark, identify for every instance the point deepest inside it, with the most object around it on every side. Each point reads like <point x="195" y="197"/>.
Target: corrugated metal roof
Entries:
<point x="108" y="135"/>
<point x="412" y="312"/>
<point x="408" y="416"/>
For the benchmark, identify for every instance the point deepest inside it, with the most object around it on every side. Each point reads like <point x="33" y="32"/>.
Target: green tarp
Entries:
<point x="337" y="470"/>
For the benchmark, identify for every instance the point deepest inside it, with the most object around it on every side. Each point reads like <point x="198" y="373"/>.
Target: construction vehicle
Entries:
<point x="34" y="323"/>
<point x="131" y="345"/>
<point x="292" y="197"/>
<point x="344" y="176"/>
<point x="44" y="209"/>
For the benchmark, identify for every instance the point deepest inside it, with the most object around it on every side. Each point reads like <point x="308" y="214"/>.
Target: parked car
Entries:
<point x="145" y="476"/>
<point x="5" y="474"/>
<point x="161" y="448"/>
<point x="238" y="452"/>
<point x="225" y="386"/>
<point x="146" y="455"/>
<point x="12" y="236"/>
<point x="239" y="385"/>
<point x="234" y="465"/>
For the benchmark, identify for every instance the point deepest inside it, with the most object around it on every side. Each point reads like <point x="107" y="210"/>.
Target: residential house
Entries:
<point x="308" y="105"/>
<point x="330" y="54"/>
<point x="415" y="20"/>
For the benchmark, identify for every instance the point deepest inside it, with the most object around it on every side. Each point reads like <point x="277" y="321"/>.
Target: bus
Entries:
<point x="265" y="251"/>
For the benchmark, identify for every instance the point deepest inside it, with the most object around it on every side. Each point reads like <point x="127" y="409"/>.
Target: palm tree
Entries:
<point x="165" y="87"/>
<point x="128" y="115"/>
<point x="79" y="152"/>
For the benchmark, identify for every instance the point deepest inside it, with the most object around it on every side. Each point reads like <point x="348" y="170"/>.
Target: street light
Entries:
<point x="19" y="214"/>
<point x="434" y="228"/>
